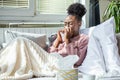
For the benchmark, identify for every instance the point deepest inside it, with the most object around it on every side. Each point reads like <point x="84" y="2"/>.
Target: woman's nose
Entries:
<point x="68" y="25"/>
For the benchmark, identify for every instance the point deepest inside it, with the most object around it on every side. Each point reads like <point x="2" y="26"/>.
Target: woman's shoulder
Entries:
<point x="84" y="36"/>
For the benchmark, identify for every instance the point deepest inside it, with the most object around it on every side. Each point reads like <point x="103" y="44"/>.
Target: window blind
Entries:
<point x="14" y="3"/>
<point x="53" y="6"/>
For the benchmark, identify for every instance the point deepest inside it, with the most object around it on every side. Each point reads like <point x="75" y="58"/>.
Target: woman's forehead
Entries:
<point x="70" y="18"/>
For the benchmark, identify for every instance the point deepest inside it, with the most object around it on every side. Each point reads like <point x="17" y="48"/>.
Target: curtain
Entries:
<point x="94" y="14"/>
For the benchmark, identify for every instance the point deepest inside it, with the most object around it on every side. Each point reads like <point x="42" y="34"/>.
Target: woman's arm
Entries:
<point x="81" y="57"/>
<point x="82" y="49"/>
<point x="56" y="43"/>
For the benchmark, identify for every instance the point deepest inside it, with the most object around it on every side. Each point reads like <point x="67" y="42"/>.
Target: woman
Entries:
<point x="22" y="58"/>
<point x="73" y="42"/>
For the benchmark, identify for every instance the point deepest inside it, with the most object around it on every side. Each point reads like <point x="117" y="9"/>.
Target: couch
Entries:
<point x="49" y="39"/>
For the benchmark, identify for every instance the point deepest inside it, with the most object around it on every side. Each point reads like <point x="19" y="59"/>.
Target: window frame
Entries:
<point x="18" y="11"/>
<point x="31" y="15"/>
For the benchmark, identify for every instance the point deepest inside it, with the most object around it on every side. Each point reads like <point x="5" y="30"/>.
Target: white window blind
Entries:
<point x="17" y="7"/>
<point x="53" y="6"/>
<point x="14" y="3"/>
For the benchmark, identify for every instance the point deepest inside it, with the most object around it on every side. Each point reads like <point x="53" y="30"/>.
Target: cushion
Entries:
<point x="40" y="39"/>
<point x="105" y="33"/>
<point x="102" y="53"/>
<point x="51" y="38"/>
<point x="87" y="31"/>
<point x="93" y="63"/>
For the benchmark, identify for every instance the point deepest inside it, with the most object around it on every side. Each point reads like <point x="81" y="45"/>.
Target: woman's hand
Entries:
<point x="76" y="65"/>
<point x="59" y="37"/>
<point x="68" y="33"/>
<point x="58" y="40"/>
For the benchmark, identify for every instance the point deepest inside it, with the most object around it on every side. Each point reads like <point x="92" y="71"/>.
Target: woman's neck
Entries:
<point x="76" y="34"/>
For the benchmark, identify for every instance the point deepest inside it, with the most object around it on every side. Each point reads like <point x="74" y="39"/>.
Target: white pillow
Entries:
<point x="93" y="63"/>
<point x="102" y="53"/>
<point x="40" y="39"/>
<point x="87" y="31"/>
<point x="105" y="33"/>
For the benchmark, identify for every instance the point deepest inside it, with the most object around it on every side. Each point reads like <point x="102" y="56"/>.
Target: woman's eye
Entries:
<point x="65" y="24"/>
<point x="71" y="23"/>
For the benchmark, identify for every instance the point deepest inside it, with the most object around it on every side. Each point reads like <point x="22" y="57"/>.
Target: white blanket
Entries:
<point x="23" y="59"/>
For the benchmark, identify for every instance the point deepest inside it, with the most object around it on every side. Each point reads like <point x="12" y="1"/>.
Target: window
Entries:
<point x="41" y="11"/>
<point x="53" y="6"/>
<point x="17" y="7"/>
<point x="52" y="10"/>
<point x="14" y="3"/>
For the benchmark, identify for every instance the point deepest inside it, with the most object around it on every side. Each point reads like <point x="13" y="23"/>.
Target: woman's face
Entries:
<point x="73" y="23"/>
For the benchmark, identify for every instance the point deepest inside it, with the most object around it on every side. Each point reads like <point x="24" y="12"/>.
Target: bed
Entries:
<point x="93" y="32"/>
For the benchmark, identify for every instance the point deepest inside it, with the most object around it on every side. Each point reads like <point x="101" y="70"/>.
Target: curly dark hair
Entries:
<point x="77" y="9"/>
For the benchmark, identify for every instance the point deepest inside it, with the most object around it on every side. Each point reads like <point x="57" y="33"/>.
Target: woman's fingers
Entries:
<point x="67" y="30"/>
